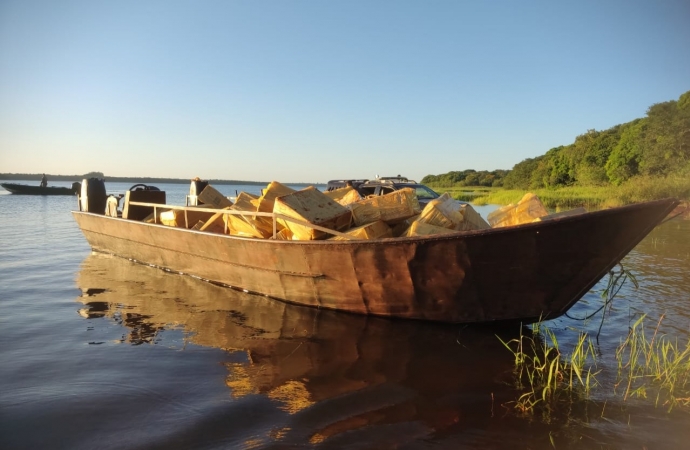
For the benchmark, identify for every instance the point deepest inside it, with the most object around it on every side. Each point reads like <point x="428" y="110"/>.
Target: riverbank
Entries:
<point x="639" y="189"/>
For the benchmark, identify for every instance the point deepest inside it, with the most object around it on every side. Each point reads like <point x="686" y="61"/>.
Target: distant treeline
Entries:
<point x="467" y="178"/>
<point x="144" y="180"/>
<point x="655" y="146"/>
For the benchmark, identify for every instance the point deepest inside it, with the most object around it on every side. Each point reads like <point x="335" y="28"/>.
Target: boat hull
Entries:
<point x="521" y="273"/>
<point x="25" y="189"/>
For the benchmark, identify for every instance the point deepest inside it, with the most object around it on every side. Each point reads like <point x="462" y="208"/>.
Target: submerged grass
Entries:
<point x="548" y="379"/>
<point x="659" y="367"/>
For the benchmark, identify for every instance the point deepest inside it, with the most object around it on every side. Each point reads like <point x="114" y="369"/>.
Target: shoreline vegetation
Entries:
<point x="645" y="159"/>
<point x="638" y="189"/>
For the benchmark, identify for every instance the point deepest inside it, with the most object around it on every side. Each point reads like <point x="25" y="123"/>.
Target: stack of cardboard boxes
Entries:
<point x="341" y="214"/>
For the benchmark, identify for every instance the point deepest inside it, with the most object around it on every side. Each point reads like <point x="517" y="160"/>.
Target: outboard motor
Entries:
<point x="195" y="189"/>
<point x="76" y="188"/>
<point x="93" y="197"/>
<point x="197" y="186"/>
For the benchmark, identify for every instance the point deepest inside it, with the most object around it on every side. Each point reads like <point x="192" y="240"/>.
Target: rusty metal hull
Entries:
<point x="521" y="273"/>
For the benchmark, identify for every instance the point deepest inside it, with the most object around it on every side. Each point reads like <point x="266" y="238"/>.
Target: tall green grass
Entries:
<point x="658" y="367"/>
<point x="638" y="189"/>
<point x="655" y="368"/>
<point x="547" y="378"/>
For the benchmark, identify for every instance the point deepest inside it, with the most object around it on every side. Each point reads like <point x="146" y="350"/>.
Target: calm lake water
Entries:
<point x="97" y="352"/>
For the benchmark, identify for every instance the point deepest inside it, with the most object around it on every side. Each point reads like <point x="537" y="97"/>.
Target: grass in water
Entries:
<point x="549" y="379"/>
<point x="660" y="365"/>
<point x="656" y="367"/>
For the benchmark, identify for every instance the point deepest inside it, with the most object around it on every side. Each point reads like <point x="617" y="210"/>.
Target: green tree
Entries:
<point x="520" y="176"/>
<point x="595" y="152"/>
<point x="624" y="161"/>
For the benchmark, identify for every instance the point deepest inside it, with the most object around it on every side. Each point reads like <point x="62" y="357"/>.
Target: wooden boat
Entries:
<point x="25" y="189"/>
<point x="521" y="273"/>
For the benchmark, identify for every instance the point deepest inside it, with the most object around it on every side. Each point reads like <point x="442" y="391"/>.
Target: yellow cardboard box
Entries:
<point x="212" y="198"/>
<point x="449" y="213"/>
<point x="272" y="191"/>
<point x="373" y="230"/>
<point x="176" y="218"/>
<point x="525" y="211"/>
<point x="312" y="206"/>
<point x="248" y="225"/>
<point x="344" y="196"/>
<point x="424" y="229"/>
<point x="391" y="208"/>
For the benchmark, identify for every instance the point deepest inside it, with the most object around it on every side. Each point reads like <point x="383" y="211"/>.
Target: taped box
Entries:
<point x="374" y="230"/>
<point x="248" y="225"/>
<point x="392" y="208"/>
<point x="212" y="198"/>
<point x="344" y="196"/>
<point x="449" y="213"/>
<point x="424" y="229"/>
<point x="284" y="235"/>
<point x="399" y="229"/>
<point x="176" y="217"/>
<point x="525" y="211"/>
<point x="215" y="224"/>
<point x="312" y="206"/>
<point x="272" y="191"/>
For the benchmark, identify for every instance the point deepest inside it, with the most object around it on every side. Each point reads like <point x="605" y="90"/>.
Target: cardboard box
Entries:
<point x="212" y="198"/>
<point x="449" y="213"/>
<point x="284" y="235"/>
<point x="391" y="208"/>
<point x="374" y="230"/>
<point x="248" y="225"/>
<point x="215" y="224"/>
<point x="525" y="211"/>
<point x="400" y="228"/>
<point x="312" y="206"/>
<point x="344" y="196"/>
<point x="424" y="229"/>
<point x="176" y="218"/>
<point x="272" y="191"/>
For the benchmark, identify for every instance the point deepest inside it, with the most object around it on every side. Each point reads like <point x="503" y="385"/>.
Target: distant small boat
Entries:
<point x="25" y="189"/>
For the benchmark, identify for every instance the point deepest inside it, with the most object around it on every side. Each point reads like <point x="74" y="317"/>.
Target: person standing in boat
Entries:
<point x="44" y="181"/>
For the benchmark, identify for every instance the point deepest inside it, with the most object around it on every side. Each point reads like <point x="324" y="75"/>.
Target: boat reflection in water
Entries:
<point x="336" y="377"/>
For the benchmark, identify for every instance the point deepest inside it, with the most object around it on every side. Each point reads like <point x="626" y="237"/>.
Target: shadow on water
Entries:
<point x="335" y="379"/>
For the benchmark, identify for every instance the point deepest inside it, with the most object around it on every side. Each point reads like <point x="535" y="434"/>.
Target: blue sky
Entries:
<point x="306" y="91"/>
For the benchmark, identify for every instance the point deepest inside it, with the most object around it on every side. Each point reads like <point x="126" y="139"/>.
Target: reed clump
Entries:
<point x="654" y="367"/>
<point x="548" y="379"/>
<point x="658" y="366"/>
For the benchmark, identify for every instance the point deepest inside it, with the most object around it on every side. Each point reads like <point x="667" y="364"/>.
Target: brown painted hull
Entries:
<point x="508" y="274"/>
